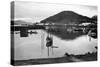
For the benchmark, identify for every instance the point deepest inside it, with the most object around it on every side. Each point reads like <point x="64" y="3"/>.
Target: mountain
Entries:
<point x="95" y="18"/>
<point x="20" y="22"/>
<point x="66" y="17"/>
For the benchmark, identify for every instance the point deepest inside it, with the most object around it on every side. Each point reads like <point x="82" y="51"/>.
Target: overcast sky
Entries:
<point x="35" y="12"/>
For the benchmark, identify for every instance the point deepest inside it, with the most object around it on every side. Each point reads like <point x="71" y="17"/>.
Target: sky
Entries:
<point x="37" y="11"/>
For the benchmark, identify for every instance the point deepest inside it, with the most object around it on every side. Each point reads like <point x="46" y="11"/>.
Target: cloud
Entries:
<point x="40" y="11"/>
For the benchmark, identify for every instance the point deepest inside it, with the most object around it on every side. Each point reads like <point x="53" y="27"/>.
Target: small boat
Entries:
<point x="32" y="32"/>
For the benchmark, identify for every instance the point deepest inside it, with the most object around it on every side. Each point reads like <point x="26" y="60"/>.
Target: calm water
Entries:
<point x="30" y="47"/>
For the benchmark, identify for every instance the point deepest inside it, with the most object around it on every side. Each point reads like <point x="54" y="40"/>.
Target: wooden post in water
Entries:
<point x="89" y="38"/>
<point x="48" y="52"/>
<point x="49" y="41"/>
<point x="89" y="33"/>
<point x="52" y="50"/>
<point x="42" y="42"/>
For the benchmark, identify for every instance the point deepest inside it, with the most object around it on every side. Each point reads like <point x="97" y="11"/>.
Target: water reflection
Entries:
<point x="64" y="35"/>
<point x="72" y="43"/>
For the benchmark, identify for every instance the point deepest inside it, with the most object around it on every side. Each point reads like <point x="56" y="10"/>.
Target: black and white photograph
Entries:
<point x="48" y="33"/>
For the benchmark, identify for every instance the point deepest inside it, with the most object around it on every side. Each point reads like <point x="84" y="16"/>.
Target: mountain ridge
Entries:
<point x="19" y="22"/>
<point x="66" y="17"/>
